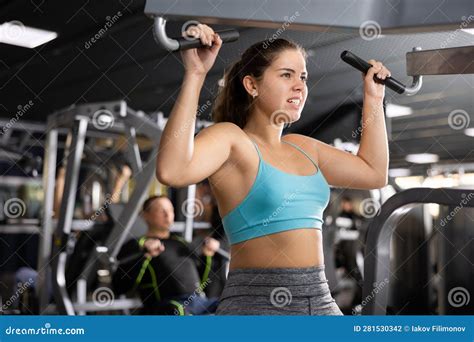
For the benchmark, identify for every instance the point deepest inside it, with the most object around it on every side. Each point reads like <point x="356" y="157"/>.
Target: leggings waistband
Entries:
<point x="308" y="281"/>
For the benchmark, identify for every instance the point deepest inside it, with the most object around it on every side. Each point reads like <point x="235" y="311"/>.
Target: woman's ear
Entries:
<point x="250" y="85"/>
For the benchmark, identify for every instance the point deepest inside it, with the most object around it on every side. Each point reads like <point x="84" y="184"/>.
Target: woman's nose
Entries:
<point x="299" y="85"/>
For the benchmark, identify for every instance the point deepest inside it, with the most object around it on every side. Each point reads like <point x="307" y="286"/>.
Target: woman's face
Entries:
<point x="282" y="91"/>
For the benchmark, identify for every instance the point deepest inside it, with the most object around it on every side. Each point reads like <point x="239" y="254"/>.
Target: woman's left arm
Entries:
<point x="369" y="168"/>
<point x="373" y="149"/>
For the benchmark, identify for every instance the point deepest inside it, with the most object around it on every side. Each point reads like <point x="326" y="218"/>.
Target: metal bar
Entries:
<point x="133" y="153"/>
<point x="44" y="253"/>
<point x="143" y="125"/>
<point x="189" y="212"/>
<point x="62" y="117"/>
<point x="130" y="212"/>
<point x="377" y="255"/>
<point x="81" y="295"/>
<point x="185" y="43"/>
<point x="452" y="61"/>
<point x="63" y="229"/>
<point x="401" y="16"/>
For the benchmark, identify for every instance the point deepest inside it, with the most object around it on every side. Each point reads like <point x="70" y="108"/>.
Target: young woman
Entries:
<point x="271" y="190"/>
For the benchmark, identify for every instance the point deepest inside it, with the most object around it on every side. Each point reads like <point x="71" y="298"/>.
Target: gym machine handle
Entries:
<point x="176" y="44"/>
<point x="390" y="82"/>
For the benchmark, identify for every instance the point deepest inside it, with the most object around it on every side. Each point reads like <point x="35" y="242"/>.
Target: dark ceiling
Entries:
<point x="126" y="63"/>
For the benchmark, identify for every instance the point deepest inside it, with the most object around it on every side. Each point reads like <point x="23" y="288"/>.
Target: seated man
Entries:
<point x="166" y="272"/>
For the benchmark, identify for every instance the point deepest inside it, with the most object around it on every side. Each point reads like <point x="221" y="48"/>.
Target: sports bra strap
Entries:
<point x="302" y="151"/>
<point x="258" y="150"/>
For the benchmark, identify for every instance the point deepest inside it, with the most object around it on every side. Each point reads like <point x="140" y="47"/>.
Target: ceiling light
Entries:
<point x="393" y="110"/>
<point x="15" y="33"/>
<point x="470" y="31"/>
<point x="422" y="158"/>
<point x="469" y="132"/>
<point x="401" y="172"/>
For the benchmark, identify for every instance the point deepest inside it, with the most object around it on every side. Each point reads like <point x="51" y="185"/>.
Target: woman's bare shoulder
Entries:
<point x="300" y="139"/>
<point x="308" y="144"/>
<point x="224" y="131"/>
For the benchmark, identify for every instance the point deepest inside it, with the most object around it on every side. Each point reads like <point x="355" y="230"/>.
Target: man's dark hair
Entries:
<point x="150" y="200"/>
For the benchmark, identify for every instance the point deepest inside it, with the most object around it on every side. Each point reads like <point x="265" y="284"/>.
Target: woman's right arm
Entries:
<point x="182" y="159"/>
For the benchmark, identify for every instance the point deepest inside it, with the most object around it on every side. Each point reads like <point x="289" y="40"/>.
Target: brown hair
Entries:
<point x="233" y="103"/>
<point x="147" y="204"/>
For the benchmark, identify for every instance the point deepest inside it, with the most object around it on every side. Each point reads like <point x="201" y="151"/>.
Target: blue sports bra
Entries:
<point x="277" y="202"/>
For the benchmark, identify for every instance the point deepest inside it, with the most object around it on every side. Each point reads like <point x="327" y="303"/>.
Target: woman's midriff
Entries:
<point x="293" y="248"/>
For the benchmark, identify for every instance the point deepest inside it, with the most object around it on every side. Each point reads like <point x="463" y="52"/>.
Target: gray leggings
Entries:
<point x="277" y="291"/>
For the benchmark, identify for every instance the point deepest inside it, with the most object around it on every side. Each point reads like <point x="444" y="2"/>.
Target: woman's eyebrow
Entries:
<point x="291" y="70"/>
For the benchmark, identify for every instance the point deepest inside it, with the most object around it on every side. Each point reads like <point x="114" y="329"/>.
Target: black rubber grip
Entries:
<point x="227" y="36"/>
<point x="363" y="66"/>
